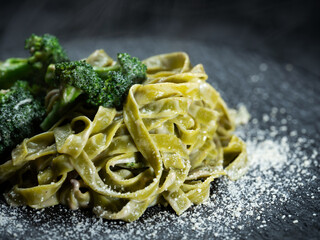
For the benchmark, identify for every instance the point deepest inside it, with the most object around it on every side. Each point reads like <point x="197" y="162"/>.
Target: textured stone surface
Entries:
<point x="258" y="81"/>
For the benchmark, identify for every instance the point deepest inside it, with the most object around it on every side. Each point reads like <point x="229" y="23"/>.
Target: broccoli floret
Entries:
<point x="106" y="86"/>
<point x="118" y="83"/>
<point x="132" y="68"/>
<point x="118" y="80"/>
<point x="75" y="78"/>
<point x="44" y="50"/>
<point x="81" y="76"/>
<point x="21" y="114"/>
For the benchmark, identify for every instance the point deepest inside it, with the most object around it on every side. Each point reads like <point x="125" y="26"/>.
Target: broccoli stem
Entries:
<point x="52" y="117"/>
<point x="59" y="108"/>
<point x="44" y="51"/>
<point x="13" y="69"/>
<point x="100" y="86"/>
<point x="68" y="96"/>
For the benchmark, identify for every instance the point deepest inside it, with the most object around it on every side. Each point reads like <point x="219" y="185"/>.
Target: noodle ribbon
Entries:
<point x="170" y="141"/>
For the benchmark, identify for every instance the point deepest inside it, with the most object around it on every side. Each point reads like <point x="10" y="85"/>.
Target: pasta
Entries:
<point x="172" y="138"/>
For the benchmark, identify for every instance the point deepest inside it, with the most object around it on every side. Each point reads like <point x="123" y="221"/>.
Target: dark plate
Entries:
<point x="277" y="199"/>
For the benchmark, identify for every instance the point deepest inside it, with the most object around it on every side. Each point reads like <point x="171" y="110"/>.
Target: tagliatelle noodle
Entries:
<point x="173" y="137"/>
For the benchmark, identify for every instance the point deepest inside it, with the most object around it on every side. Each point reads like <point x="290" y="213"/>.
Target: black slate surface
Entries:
<point x="232" y="39"/>
<point x="230" y="70"/>
<point x="287" y="29"/>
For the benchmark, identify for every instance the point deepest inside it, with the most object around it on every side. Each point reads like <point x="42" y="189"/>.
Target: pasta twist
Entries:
<point x="170" y="141"/>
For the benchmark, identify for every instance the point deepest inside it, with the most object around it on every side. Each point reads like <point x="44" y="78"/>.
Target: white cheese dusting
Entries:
<point x="280" y="166"/>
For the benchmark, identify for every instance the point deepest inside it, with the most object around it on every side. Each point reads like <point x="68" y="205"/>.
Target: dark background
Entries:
<point x="286" y="30"/>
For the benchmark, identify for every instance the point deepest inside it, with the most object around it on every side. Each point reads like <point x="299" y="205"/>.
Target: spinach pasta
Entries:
<point x="170" y="140"/>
